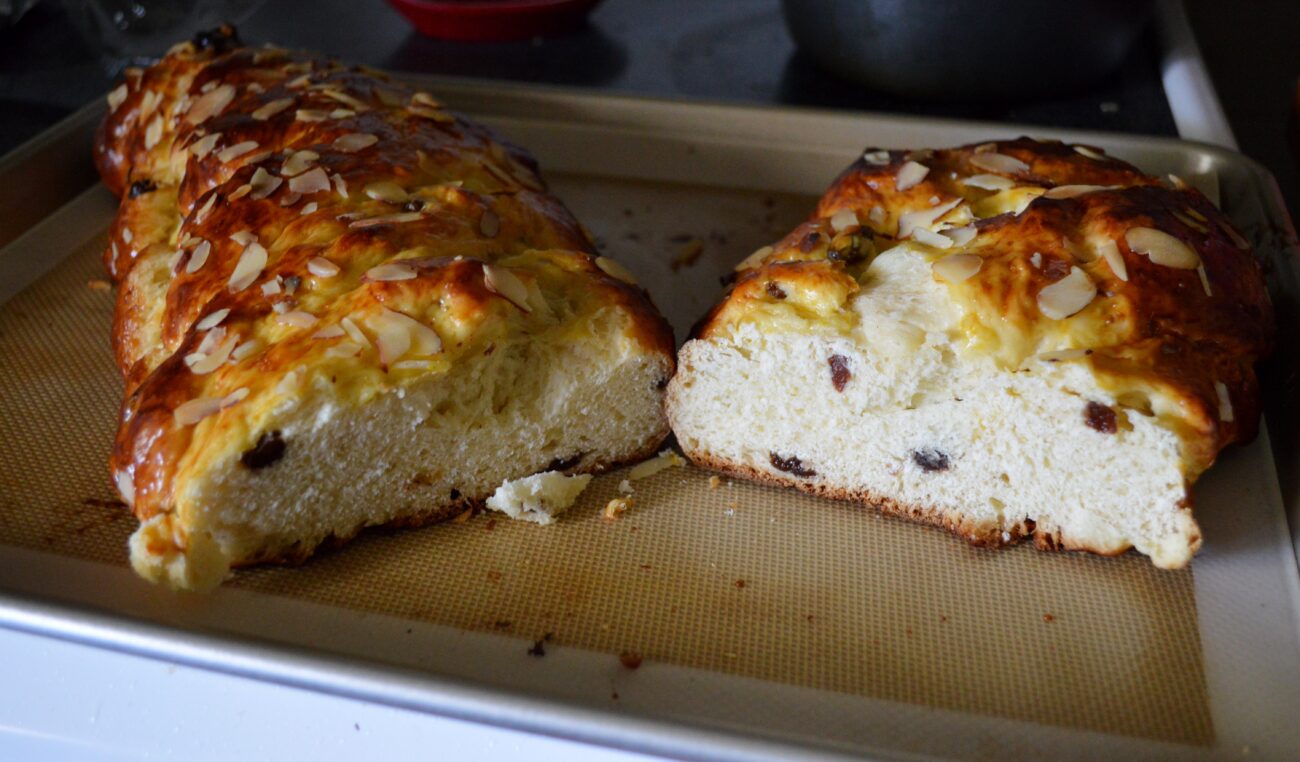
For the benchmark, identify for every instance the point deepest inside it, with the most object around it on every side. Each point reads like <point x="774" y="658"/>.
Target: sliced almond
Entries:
<point x="344" y="98"/>
<point x="1225" y="401"/>
<point x="1108" y="250"/>
<point x="310" y="115"/>
<point x="930" y="238"/>
<point x="909" y="175"/>
<point x="201" y="364"/>
<point x="1237" y="239"/>
<point x="986" y="148"/>
<point x="243" y="237"/>
<point x="998" y="162"/>
<point x="1189" y="222"/>
<point x="1162" y="248"/>
<point x="354" y="141"/>
<point x="245" y="350"/>
<point x="251" y="263"/>
<point x="615" y="270"/>
<point x="962" y="235"/>
<point x="340" y="184"/>
<point x="190" y="413"/>
<point x="956" y="268"/>
<point x="296" y="319"/>
<point x="234" y="398"/>
<point x="1205" y="279"/>
<point x="1071" y="191"/>
<point x="264" y="184"/>
<point x="322" y="267"/>
<point x="312" y="181"/>
<point x="500" y="280"/>
<point x="1090" y="153"/>
<point x="390" y="271"/>
<point x="117" y="96"/>
<point x="204" y="145"/>
<point x="387" y="219"/>
<point x="329" y="332"/>
<point x="210" y="104"/>
<point x="227" y="155"/>
<point x="298" y="162"/>
<point x="207" y="207"/>
<point x="153" y="133"/>
<point x="388" y="191"/>
<point x="1067" y="296"/>
<point x="309" y="208"/>
<point x="924" y="218"/>
<point x="198" y="257"/>
<point x="354" y="332"/>
<point x="990" y="182"/>
<point x="843" y="220"/>
<point x="878" y="158"/>
<point x="212" y="320"/>
<point x="344" y="349"/>
<point x="272" y="108"/>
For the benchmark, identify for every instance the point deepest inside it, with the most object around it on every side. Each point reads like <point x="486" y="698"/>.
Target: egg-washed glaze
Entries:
<point x="1178" y="342"/>
<point x="405" y="226"/>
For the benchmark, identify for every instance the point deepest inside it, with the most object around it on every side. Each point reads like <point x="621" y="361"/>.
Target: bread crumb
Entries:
<point x="538" y="498"/>
<point x="463" y="516"/>
<point x="1049" y="618"/>
<point x="625" y="487"/>
<point x="714" y="481"/>
<point x="630" y="659"/>
<point x="614" y="508"/>
<point x="98" y="284"/>
<point x="665" y="459"/>
<point x="688" y="255"/>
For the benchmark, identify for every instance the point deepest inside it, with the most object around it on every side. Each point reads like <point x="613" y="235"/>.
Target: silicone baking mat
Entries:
<point x="725" y="577"/>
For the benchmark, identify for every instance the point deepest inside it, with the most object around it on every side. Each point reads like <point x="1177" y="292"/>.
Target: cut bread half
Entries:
<point x="1013" y="340"/>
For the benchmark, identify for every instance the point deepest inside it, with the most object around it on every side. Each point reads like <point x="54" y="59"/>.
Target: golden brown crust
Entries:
<point x="1186" y="335"/>
<point x="200" y="148"/>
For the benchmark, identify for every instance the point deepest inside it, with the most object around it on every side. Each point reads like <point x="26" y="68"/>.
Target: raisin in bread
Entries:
<point x="1011" y="340"/>
<point x="343" y="306"/>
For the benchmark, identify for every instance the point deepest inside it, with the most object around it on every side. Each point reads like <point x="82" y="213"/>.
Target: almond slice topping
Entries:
<point x="962" y="235"/>
<point x="116" y="96"/>
<point x="329" y="332"/>
<point x="990" y="182"/>
<point x="992" y="161"/>
<point x="843" y="220"/>
<point x="930" y="238"/>
<point x="956" y="268"/>
<point x="298" y="162"/>
<point x="207" y="207"/>
<point x="272" y="108"/>
<point x="1067" y="296"/>
<point x="501" y="281"/>
<point x="390" y="271"/>
<point x="243" y="237"/>
<point x="227" y="155"/>
<point x="210" y="104"/>
<point x="1225" y="401"/>
<point x="250" y="265"/>
<point x="387" y="191"/>
<point x="878" y="158"/>
<point x="909" y="175"/>
<point x="296" y="319"/>
<point x="212" y="320"/>
<point x="204" y="145"/>
<point x="1090" y="153"/>
<point x="615" y="270"/>
<point x="1071" y="191"/>
<point x="263" y="184"/>
<point x="924" y="218"/>
<point x="153" y="133"/>
<point x="310" y="115"/>
<point x="190" y="413"/>
<point x="312" y="181"/>
<point x="1162" y="248"/>
<point x="201" y="364"/>
<point x="354" y="332"/>
<point x="244" y="350"/>
<point x="354" y="141"/>
<point x="322" y="267"/>
<point x="387" y="219"/>
<point x="1109" y="251"/>
<point x="198" y="257"/>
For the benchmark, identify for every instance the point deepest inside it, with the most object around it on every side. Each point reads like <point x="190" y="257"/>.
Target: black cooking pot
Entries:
<point x="969" y="49"/>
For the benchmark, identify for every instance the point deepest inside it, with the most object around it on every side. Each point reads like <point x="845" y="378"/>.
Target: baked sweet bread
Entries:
<point x="343" y="306"/>
<point x="1013" y="339"/>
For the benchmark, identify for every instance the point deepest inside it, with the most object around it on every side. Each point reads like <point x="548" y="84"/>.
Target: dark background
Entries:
<point x="738" y="51"/>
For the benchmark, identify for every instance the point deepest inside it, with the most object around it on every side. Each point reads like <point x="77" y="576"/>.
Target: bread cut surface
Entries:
<point x="341" y="306"/>
<point x="1013" y="340"/>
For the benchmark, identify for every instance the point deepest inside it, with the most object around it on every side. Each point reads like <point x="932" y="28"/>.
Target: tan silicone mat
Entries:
<point x="733" y="578"/>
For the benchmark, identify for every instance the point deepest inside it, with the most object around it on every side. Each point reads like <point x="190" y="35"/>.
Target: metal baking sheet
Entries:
<point x="768" y="623"/>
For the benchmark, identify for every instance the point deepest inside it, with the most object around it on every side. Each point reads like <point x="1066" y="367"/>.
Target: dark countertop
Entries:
<point x="711" y="50"/>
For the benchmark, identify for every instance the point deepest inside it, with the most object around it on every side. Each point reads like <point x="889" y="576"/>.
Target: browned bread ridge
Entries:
<point x="341" y="305"/>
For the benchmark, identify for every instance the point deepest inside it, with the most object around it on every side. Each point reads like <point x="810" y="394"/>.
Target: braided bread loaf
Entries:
<point x="343" y="306"/>
<point x="1014" y="339"/>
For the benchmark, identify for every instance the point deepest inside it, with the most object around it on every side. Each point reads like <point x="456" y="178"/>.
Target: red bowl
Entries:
<point x="489" y="20"/>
